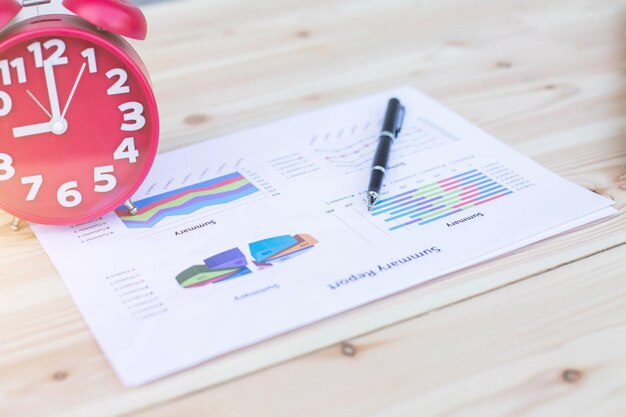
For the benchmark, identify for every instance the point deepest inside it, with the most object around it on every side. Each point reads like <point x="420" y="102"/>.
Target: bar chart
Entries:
<point x="437" y="200"/>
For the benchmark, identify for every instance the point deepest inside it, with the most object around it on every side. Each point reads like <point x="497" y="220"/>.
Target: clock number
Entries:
<point x="7" y="103"/>
<point x="35" y="49"/>
<point x="56" y="58"/>
<point x="127" y="150"/>
<point x="103" y="174"/>
<point x="119" y="87"/>
<point x="90" y="54"/>
<point x="68" y="196"/>
<point x="18" y="65"/>
<point x="35" y="181"/>
<point x="6" y="167"/>
<point x="135" y="115"/>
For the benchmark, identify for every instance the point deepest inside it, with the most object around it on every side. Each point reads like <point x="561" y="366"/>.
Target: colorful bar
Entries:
<point x="471" y="180"/>
<point x="377" y="210"/>
<point x="417" y="214"/>
<point x="421" y="190"/>
<point x="483" y="196"/>
<point x="405" y="224"/>
<point x="461" y="179"/>
<point x="395" y="196"/>
<point x="440" y="199"/>
<point x="482" y="192"/>
<point x="441" y="217"/>
<point x="494" y="198"/>
<point x="457" y="176"/>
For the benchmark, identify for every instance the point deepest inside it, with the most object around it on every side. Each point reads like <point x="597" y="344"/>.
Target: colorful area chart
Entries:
<point x="439" y="199"/>
<point x="233" y="263"/>
<point x="187" y="200"/>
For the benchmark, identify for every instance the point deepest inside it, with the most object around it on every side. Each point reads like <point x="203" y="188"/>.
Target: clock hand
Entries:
<point x="38" y="103"/>
<point x="57" y="127"/>
<point x="52" y="89"/>
<point x="19" y="132"/>
<point x="69" y="100"/>
<point x="57" y="124"/>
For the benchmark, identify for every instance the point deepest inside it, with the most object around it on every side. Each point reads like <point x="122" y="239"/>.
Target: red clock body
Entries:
<point x="79" y="125"/>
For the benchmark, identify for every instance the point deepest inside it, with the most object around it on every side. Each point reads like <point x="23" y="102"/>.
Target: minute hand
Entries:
<point x="52" y="90"/>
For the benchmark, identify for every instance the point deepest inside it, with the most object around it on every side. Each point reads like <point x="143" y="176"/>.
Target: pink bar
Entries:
<point x="464" y="203"/>
<point x="473" y="194"/>
<point x="449" y="188"/>
<point x="492" y="198"/>
<point x="443" y="182"/>
<point x="470" y="189"/>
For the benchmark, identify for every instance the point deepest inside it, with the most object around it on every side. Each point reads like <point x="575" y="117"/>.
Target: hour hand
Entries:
<point x="19" y="132"/>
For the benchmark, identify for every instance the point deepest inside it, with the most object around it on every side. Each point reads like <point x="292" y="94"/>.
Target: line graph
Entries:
<point x="352" y="150"/>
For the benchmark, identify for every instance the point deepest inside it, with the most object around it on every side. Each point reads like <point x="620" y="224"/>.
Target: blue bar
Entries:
<point x="441" y="217"/>
<point x="489" y="180"/>
<point x="482" y="197"/>
<point x="490" y="187"/>
<point x="405" y="224"/>
<point x="404" y="215"/>
<point x="462" y="180"/>
<point x="395" y="206"/>
<point x="416" y="206"/>
<point x="396" y="196"/>
<point x="377" y="209"/>
<point x="443" y="206"/>
<point x="473" y="180"/>
<point x="497" y="192"/>
<point x="420" y="211"/>
<point x="460" y="175"/>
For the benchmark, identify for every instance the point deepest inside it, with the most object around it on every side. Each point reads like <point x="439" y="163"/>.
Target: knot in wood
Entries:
<point x="196" y="119"/>
<point x="571" y="376"/>
<point x="348" y="349"/>
<point x="60" y="375"/>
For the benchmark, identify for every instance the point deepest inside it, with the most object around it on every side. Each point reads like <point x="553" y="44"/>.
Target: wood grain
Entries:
<point x="548" y="79"/>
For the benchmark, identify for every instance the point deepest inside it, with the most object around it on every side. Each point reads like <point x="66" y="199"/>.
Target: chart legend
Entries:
<point x="437" y="200"/>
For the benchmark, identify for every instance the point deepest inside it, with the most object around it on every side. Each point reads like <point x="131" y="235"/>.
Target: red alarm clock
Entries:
<point x="79" y="125"/>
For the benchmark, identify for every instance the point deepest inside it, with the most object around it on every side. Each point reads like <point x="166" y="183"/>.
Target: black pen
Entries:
<point x="391" y="127"/>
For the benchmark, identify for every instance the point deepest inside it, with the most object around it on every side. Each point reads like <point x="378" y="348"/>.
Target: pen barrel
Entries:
<point x="381" y="158"/>
<point x="390" y="123"/>
<point x="376" y="181"/>
<point x="379" y="166"/>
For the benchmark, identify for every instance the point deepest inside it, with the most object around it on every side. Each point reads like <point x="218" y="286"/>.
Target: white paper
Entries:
<point x="299" y="184"/>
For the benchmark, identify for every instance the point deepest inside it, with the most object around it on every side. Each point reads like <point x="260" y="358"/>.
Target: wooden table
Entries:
<point x="540" y="332"/>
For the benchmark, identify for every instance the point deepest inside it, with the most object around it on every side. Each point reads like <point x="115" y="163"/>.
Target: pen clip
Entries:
<point x="399" y="120"/>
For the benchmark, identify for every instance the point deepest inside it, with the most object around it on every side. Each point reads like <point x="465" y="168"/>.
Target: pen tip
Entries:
<point x="371" y="199"/>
